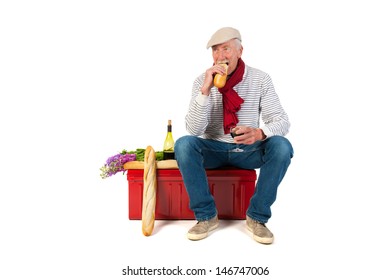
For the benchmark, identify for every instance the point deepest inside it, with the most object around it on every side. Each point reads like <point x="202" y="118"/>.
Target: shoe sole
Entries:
<point x="262" y="240"/>
<point x="194" y="237"/>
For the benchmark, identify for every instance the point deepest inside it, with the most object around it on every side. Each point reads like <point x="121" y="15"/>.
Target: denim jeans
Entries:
<point x="194" y="155"/>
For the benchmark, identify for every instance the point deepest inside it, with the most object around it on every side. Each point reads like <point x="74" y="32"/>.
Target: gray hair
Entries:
<point x="237" y="43"/>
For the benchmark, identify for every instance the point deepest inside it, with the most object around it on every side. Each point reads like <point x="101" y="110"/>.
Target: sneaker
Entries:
<point x="202" y="229"/>
<point x="260" y="232"/>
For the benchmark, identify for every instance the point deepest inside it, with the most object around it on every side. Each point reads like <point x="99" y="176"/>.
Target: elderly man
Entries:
<point x="213" y="113"/>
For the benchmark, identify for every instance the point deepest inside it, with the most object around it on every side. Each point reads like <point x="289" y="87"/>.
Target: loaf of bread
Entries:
<point x="220" y="80"/>
<point x="161" y="164"/>
<point x="149" y="192"/>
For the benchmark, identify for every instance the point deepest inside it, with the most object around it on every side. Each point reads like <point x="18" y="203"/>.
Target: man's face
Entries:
<point x="228" y="53"/>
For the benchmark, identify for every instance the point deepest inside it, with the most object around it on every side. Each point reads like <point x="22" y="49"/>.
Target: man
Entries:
<point x="247" y="96"/>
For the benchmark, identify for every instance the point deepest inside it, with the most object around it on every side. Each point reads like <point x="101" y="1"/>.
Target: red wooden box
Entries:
<point x="231" y="188"/>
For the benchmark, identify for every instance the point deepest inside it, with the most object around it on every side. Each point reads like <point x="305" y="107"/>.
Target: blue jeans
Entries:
<point x="194" y="155"/>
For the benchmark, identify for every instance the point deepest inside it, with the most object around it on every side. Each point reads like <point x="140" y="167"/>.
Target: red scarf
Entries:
<point x="231" y="101"/>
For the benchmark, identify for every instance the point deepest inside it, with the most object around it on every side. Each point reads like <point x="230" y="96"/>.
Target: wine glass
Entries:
<point x="233" y="134"/>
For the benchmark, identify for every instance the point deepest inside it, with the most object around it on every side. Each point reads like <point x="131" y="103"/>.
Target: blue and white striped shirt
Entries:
<point x="205" y="114"/>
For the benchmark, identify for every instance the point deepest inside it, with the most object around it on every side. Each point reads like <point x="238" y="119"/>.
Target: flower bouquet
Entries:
<point x="114" y="164"/>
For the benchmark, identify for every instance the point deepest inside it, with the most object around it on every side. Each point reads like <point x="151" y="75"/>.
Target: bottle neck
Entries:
<point x="169" y="128"/>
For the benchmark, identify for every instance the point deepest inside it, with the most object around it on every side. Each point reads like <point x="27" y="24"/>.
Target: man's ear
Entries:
<point x="240" y="52"/>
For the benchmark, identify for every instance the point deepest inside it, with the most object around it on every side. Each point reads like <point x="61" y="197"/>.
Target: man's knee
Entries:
<point x="281" y="147"/>
<point x="184" y="146"/>
<point x="184" y="143"/>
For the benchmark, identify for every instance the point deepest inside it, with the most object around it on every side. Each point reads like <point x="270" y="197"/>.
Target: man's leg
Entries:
<point x="193" y="155"/>
<point x="272" y="156"/>
<point x="276" y="153"/>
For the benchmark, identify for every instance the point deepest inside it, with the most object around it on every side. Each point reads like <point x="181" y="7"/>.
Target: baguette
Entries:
<point x="149" y="192"/>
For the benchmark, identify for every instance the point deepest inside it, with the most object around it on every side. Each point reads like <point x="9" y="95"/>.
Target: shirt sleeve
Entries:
<point x="197" y="116"/>
<point x="274" y="117"/>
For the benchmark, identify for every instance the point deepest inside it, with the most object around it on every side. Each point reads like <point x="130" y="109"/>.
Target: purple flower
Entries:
<point x="114" y="164"/>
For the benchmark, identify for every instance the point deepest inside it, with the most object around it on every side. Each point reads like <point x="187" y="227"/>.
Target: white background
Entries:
<point x="82" y="80"/>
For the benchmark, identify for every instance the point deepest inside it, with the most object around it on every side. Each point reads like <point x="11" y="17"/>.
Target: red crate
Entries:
<point x="231" y="188"/>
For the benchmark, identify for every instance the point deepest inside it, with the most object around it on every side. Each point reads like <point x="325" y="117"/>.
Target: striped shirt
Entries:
<point x="261" y="106"/>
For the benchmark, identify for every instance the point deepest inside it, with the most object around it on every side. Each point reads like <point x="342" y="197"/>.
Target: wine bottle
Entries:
<point x="168" y="150"/>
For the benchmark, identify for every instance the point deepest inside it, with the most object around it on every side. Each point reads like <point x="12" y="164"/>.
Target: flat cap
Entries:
<point x="223" y="35"/>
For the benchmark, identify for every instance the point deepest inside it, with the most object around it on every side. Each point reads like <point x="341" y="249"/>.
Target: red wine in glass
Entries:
<point x="234" y="134"/>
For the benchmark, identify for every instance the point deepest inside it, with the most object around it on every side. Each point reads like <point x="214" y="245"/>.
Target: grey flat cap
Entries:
<point x="223" y="35"/>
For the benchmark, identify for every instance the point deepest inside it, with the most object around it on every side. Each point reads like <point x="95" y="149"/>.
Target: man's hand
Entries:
<point x="249" y="135"/>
